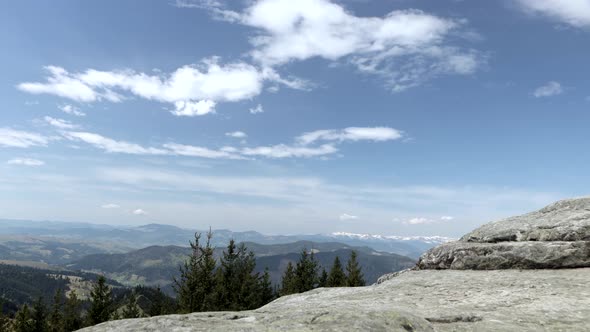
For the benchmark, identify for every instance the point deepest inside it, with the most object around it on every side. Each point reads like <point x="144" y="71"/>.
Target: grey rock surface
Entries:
<point x="425" y="300"/>
<point x="557" y="236"/>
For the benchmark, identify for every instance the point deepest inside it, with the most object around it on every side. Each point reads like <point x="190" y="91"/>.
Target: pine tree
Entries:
<point x="306" y="272"/>
<point x="56" y="319"/>
<point x="323" y="282"/>
<point x="336" y="278"/>
<point x="266" y="290"/>
<point x="288" y="283"/>
<point x="23" y="322"/>
<point x="40" y="316"/>
<point x="4" y="321"/>
<point x="196" y="285"/>
<point x="101" y="307"/>
<point x="157" y="306"/>
<point x="72" y="319"/>
<point x="131" y="309"/>
<point x="355" y="276"/>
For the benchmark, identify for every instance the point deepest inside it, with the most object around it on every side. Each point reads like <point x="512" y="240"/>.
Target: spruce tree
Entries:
<point x="40" y="316"/>
<point x="355" y="276"/>
<point x="288" y="283"/>
<point x="101" y="307"/>
<point x="4" y="321"/>
<point x="23" y="322"/>
<point x="56" y="319"/>
<point x="266" y="290"/>
<point x="196" y="284"/>
<point x="157" y="306"/>
<point x="306" y="272"/>
<point x="131" y="309"/>
<point x="336" y="278"/>
<point x="323" y="282"/>
<point x="72" y="320"/>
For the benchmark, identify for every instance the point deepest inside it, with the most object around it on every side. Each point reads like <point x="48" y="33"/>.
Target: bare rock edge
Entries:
<point x="530" y="285"/>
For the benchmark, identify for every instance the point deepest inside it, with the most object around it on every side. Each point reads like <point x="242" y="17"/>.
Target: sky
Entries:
<point x="397" y="117"/>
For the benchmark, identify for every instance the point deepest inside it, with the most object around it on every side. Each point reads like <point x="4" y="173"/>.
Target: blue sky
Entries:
<point x="404" y="117"/>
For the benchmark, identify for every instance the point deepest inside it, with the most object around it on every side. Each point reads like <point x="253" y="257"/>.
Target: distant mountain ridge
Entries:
<point x="137" y="237"/>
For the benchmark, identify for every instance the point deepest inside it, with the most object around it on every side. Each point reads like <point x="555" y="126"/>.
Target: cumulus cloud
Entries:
<point x="21" y="139"/>
<point x="236" y="134"/>
<point x="377" y="134"/>
<point x="25" y="162"/>
<point x="70" y="109"/>
<point x="406" y="47"/>
<point x="139" y="212"/>
<point x="192" y="89"/>
<point x="447" y="218"/>
<point x="257" y="109"/>
<point x="110" y="206"/>
<point x="346" y="216"/>
<point x="572" y="12"/>
<point x="59" y="123"/>
<point x="419" y="221"/>
<point x="548" y="90"/>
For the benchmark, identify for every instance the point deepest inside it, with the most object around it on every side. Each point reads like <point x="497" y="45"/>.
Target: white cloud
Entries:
<point x="111" y="145"/>
<point x="139" y="212"/>
<point x="447" y="218"/>
<point x="345" y="217"/>
<point x="550" y="89"/>
<point x="236" y="134"/>
<point x="189" y="108"/>
<point x="25" y="162"/>
<point x="197" y="151"/>
<point x="287" y="151"/>
<point x="257" y="109"/>
<point x="192" y="89"/>
<point x="419" y="221"/>
<point x="406" y="47"/>
<point x="377" y="134"/>
<point x="21" y="139"/>
<point x="573" y="12"/>
<point x="110" y="206"/>
<point x="60" y="123"/>
<point x="70" y="109"/>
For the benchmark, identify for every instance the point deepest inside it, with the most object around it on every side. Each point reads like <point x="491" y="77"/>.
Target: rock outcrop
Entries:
<point x="557" y="236"/>
<point x="448" y="291"/>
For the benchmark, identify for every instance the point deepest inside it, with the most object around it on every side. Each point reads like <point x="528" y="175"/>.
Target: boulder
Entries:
<point x="557" y="236"/>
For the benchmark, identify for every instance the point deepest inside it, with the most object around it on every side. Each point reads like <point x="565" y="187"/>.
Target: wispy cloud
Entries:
<point x="236" y="134"/>
<point x="550" y="89"/>
<point x="345" y="217"/>
<point x="21" y="139"/>
<point x="376" y="134"/>
<point x="257" y="109"/>
<point x="110" y="206"/>
<point x="59" y="123"/>
<point x="139" y="212"/>
<point x="572" y="12"/>
<point x="25" y="162"/>
<point x="111" y="145"/>
<point x="70" y="109"/>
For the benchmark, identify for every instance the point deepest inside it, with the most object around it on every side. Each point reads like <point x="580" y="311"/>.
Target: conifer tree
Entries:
<point x="72" y="319"/>
<point x="23" y="322"/>
<point x="336" y="278"/>
<point x="196" y="284"/>
<point x="323" y="281"/>
<point x="131" y="309"/>
<point x="306" y="272"/>
<point x="56" y="319"/>
<point x="157" y="306"/>
<point x="4" y="321"/>
<point x="39" y="316"/>
<point x="101" y="307"/>
<point x="266" y="290"/>
<point x="355" y="276"/>
<point x="288" y="283"/>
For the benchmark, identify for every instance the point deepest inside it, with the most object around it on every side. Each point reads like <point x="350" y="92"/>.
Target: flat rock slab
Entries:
<point x="507" y="255"/>
<point x="426" y="300"/>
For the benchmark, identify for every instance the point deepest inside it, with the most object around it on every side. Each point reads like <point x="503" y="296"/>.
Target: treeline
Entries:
<point x="204" y="284"/>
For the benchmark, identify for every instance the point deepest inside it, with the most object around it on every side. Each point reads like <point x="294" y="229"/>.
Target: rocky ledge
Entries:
<point x="447" y="291"/>
<point x="557" y="236"/>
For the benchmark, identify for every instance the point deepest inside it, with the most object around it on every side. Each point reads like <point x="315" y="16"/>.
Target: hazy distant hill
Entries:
<point x="158" y="264"/>
<point x="113" y="239"/>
